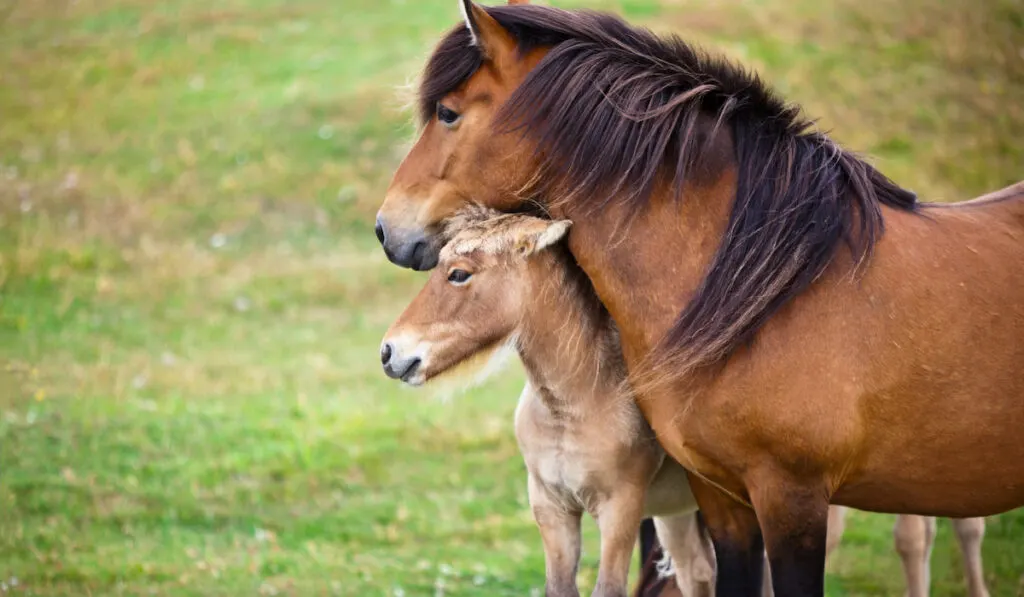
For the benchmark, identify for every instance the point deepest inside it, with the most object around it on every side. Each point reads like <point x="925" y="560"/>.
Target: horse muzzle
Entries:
<point x="407" y="248"/>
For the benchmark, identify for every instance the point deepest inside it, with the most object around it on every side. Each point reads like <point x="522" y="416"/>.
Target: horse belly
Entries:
<point x="934" y="499"/>
<point x="953" y="457"/>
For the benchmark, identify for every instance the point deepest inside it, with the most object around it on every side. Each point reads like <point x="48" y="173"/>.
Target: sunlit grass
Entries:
<point x="191" y="298"/>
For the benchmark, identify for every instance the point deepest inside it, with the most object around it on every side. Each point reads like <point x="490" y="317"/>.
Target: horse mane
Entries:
<point x="615" y="111"/>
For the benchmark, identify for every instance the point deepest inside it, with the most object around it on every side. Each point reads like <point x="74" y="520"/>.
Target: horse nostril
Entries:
<point x="422" y="257"/>
<point x="385" y="354"/>
<point x="379" y="230"/>
<point x="417" y="253"/>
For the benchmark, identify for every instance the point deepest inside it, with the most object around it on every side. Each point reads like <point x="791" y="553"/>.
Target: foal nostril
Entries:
<point x="410" y="370"/>
<point x="379" y="230"/>
<point x="397" y="367"/>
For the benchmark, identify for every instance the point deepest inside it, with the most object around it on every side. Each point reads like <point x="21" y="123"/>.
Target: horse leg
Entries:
<point x="914" y="537"/>
<point x="618" y="519"/>
<point x="969" y="534"/>
<point x="560" y="534"/>
<point x="836" y="526"/>
<point x="739" y="549"/>
<point x="794" y="521"/>
<point x="691" y="552"/>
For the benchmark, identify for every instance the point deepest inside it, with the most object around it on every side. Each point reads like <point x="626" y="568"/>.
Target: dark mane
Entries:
<point x="615" y="110"/>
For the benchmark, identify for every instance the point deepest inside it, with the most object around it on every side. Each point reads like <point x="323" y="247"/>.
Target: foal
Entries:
<point x="508" y="281"/>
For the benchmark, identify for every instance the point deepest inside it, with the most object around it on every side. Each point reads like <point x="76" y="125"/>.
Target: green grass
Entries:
<point x="191" y="297"/>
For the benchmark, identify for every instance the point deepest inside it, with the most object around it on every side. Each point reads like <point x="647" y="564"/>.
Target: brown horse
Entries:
<point x="801" y="330"/>
<point x="508" y="279"/>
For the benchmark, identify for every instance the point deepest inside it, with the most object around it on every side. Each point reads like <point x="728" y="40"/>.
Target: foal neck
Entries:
<point x="567" y="341"/>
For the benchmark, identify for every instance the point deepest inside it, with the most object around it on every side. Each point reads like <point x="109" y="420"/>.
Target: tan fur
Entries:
<point x="914" y="537"/>
<point x="587" y="447"/>
<point x="486" y="231"/>
<point x="472" y="371"/>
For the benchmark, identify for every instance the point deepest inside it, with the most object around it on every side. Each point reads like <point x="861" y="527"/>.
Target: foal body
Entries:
<point x="586" y="445"/>
<point x="588" y="449"/>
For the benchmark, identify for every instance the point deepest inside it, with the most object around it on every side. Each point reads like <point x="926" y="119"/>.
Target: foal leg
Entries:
<point x="836" y="526"/>
<point x="766" y="583"/>
<point x="560" y="533"/>
<point x="914" y="537"/>
<point x="794" y="520"/>
<point x="969" y="534"/>
<point x="739" y="549"/>
<point x="618" y="519"/>
<point x="693" y="556"/>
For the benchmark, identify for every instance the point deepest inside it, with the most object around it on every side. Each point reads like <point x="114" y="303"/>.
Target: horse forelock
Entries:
<point x="614" y="111"/>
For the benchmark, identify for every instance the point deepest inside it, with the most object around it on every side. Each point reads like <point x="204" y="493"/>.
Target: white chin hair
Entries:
<point x="472" y="371"/>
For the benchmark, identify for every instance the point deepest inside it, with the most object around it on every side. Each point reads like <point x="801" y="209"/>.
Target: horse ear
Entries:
<point x="496" y="43"/>
<point x="540" y="234"/>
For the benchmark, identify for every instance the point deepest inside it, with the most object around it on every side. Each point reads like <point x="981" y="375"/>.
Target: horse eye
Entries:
<point x="459" y="276"/>
<point x="447" y="116"/>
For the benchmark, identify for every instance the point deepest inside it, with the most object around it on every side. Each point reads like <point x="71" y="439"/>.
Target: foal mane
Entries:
<point x="615" y="110"/>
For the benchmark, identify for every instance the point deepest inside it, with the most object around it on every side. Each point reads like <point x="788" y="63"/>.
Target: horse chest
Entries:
<point x="702" y="437"/>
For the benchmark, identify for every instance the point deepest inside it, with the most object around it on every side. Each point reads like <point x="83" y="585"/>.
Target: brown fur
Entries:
<point x="898" y="390"/>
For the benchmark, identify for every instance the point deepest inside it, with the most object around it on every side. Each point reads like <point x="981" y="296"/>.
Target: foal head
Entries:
<point x="475" y="300"/>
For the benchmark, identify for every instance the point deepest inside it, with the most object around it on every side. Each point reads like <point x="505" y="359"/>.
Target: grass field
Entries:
<point x="191" y="297"/>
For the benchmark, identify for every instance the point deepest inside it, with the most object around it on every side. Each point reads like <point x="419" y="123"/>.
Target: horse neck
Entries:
<point x="645" y="265"/>
<point x="567" y="341"/>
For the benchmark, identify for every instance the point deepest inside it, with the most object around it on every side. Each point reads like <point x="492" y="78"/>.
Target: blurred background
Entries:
<point x="191" y="295"/>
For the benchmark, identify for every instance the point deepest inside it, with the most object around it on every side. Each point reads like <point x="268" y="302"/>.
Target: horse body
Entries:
<point x="930" y="337"/>
<point x="798" y="329"/>
<point x="942" y="320"/>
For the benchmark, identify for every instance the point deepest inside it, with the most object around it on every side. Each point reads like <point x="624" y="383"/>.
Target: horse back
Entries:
<point x="1012" y="192"/>
<point x="1008" y="201"/>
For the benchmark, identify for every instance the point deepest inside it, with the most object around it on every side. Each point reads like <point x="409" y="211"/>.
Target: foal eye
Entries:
<point x="458" y="276"/>
<point x="447" y="116"/>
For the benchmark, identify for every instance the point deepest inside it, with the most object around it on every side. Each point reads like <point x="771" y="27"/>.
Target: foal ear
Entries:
<point x="496" y="43"/>
<point x="540" y="234"/>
